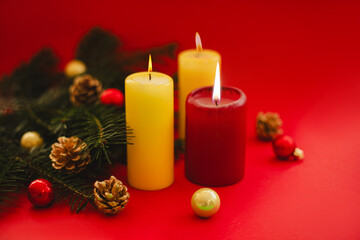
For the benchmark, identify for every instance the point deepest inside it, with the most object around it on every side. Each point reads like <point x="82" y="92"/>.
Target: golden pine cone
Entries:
<point x="268" y="125"/>
<point x="85" y="90"/>
<point x="69" y="154"/>
<point x="111" y="196"/>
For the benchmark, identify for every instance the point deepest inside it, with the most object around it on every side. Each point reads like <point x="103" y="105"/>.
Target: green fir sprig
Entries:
<point x="76" y="188"/>
<point x="102" y="52"/>
<point x="12" y="177"/>
<point x="101" y="128"/>
<point x="35" y="97"/>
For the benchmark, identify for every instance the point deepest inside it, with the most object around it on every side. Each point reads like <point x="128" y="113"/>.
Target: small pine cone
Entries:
<point x="69" y="153"/>
<point x="268" y="125"/>
<point x="85" y="90"/>
<point x="111" y="196"/>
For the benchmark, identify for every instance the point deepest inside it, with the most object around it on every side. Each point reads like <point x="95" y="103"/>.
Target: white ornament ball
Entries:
<point x="74" y="68"/>
<point x="30" y="140"/>
<point x="205" y="202"/>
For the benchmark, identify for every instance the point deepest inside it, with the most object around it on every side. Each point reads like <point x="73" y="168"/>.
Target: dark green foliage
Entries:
<point x="101" y="52"/>
<point x="98" y="50"/>
<point x="179" y="147"/>
<point x="100" y="127"/>
<point x="12" y="176"/>
<point x="35" y="97"/>
<point x="76" y="188"/>
<point x="34" y="78"/>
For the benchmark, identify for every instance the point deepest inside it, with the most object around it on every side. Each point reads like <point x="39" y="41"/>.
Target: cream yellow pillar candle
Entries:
<point x="196" y="69"/>
<point x="149" y="104"/>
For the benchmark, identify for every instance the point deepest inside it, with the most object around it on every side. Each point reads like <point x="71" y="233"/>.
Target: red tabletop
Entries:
<point x="298" y="58"/>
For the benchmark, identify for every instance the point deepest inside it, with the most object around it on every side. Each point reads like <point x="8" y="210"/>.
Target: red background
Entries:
<point x="299" y="58"/>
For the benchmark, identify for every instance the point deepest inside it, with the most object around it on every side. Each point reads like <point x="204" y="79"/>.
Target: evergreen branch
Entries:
<point x="37" y="99"/>
<point x="37" y="119"/>
<point x="59" y="181"/>
<point x="100" y="127"/>
<point x="34" y="78"/>
<point x="73" y="187"/>
<point x="156" y="53"/>
<point x="4" y="170"/>
<point x="101" y="52"/>
<point x="101" y="140"/>
<point x="12" y="177"/>
<point x="179" y="147"/>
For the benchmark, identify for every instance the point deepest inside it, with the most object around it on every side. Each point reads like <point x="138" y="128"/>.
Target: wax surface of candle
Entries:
<point x="196" y="69"/>
<point x="215" y="137"/>
<point x="150" y="114"/>
<point x="208" y="102"/>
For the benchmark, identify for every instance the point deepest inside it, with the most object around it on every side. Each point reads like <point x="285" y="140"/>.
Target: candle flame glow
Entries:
<point x="216" y="90"/>
<point x="150" y="64"/>
<point x="198" y="42"/>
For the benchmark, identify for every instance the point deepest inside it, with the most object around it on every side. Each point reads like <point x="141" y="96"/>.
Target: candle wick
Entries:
<point x="216" y="102"/>
<point x="149" y="76"/>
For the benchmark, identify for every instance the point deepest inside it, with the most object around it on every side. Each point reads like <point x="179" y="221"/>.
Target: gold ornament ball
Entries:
<point x="30" y="140"/>
<point x="74" y="68"/>
<point x="205" y="202"/>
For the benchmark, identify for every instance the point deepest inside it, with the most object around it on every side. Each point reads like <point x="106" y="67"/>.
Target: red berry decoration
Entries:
<point x="40" y="193"/>
<point x="284" y="148"/>
<point x="112" y="96"/>
<point x="7" y="111"/>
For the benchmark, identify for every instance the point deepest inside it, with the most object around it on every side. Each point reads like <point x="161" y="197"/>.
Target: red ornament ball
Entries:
<point x="283" y="146"/>
<point x="40" y="193"/>
<point x="112" y="96"/>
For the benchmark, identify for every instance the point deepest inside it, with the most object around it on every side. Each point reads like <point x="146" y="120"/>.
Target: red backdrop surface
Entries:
<point x="299" y="58"/>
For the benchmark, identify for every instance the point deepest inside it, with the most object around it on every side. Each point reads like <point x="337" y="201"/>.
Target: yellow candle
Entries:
<point x="196" y="69"/>
<point x="149" y="104"/>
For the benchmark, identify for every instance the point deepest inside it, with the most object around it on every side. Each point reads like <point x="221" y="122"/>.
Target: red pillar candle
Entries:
<point x="215" y="136"/>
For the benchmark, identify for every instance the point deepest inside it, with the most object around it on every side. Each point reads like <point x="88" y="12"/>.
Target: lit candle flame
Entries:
<point x="198" y="42"/>
<point x="150" y="64"/>
<point x="216" y="90"/>
<point x="150" y="67"/>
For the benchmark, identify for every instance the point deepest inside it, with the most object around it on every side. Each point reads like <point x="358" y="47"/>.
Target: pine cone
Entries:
<point x="68" y="153"/>
<point x="268" y="125"/>
<point x="111" y="196"/>
<point x="85" y="90"/>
